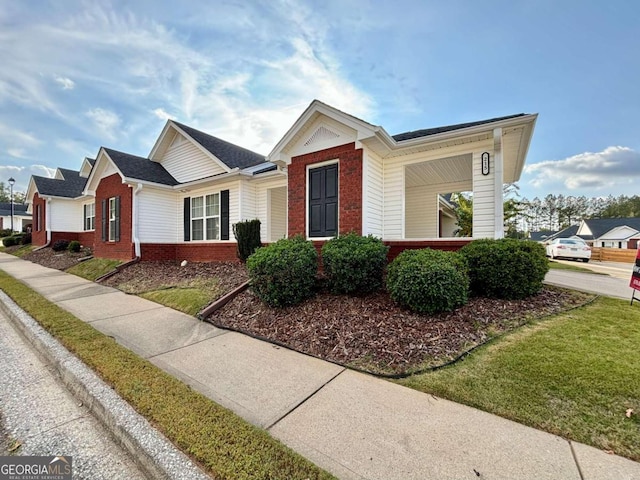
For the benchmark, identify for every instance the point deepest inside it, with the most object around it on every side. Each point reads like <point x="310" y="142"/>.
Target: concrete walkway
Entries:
<point x="353" y="425"/>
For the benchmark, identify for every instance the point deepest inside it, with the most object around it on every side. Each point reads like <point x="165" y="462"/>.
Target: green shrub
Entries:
<point x="354" y="264"/>
<point x="428" y="281"/>
<point x="10" y="241"/>
<point x="60" y="245"/>
<point x="6" y="233"/>
<point x="26" y="239"/>
<point x="284" y="272"/>
<point x="74" y="246"/>
<point x="247" y="235"/>
<point x="505" y="268"/>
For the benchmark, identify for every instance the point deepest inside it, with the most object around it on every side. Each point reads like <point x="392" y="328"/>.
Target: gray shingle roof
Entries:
<point x="231" y="155"/>
<point x="600" y="226"/>
<point x="140" y="168"/>
<point x="18" y="209"/>
<point x="70" y="187"/>
<point x="433" y="131"/>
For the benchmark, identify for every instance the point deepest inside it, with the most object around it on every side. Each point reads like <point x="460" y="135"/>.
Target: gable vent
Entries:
<point x="321" y="134"/>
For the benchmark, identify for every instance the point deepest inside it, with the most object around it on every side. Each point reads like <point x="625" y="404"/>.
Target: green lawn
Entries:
<point x="574" y="268"/>
<point x="573" y="375"/>
<point x="94" y="268"/>
<point x="226" y="445"/>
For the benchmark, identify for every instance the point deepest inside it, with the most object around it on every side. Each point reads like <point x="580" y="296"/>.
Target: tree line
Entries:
<point x="551" y="213"/>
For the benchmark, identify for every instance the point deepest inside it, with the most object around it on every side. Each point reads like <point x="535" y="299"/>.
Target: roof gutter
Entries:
<point x="223" y="176"/>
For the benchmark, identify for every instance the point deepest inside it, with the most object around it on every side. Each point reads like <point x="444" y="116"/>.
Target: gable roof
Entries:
<point x="541" y="236"/>
<point x="140" y="168"/>
<point x="600" y="226"/>
<point x="71" y="186"/>
<point x="231" y="155"/>
<point x="448" y="128"/>
<point x="19" y="209"/>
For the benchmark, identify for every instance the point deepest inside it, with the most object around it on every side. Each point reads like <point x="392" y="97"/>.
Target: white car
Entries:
<point x="569" y="248"/>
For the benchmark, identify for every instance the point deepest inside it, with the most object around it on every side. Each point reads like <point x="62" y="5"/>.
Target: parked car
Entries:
<point x="573" y="248"/>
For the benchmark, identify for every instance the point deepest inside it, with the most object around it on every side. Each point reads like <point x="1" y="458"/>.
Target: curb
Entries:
<point x="156" y="456"/>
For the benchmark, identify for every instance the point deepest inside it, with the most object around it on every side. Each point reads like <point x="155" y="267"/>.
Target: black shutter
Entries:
<point x="38" y="217"/>
<point x="84" y="216"/>
<point x="116" y="234"/>
<point x="104" y="220"/>
<point x="187" y="219"/>
<point x="224" y="215"/>
<point x="323" y="201"/>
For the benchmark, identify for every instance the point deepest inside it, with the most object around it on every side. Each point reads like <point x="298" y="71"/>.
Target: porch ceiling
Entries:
<point x="443" y="170"/>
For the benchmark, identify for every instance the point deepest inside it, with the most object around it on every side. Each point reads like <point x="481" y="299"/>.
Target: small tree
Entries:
<point x="247" y="235"/>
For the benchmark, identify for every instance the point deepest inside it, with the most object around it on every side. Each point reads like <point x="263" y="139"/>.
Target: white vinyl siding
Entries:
<point x="187" y="162"/>
<point x="484" y="217"/>
<point x="277" y="210"/>
<point x="158" y="220"/>
<point x="247" y="200"/>
<point x="262" y="190"/>
<point x="421" y="212"/>
<point x="66" y="216"/>
<point x="372" y="192"/>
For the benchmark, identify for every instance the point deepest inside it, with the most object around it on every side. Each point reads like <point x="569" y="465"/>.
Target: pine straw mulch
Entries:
<point x="371" y="333"/>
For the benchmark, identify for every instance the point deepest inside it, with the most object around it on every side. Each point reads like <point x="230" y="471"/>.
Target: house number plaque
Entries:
<point x="485" y="163"/>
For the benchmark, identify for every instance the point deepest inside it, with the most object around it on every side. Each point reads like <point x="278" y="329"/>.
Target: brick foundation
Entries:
<point x="349" y="185"/>
<point x="192" y="252"/>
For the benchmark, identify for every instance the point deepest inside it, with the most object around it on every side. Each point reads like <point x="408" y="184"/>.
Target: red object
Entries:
<point x="635" y="275"/>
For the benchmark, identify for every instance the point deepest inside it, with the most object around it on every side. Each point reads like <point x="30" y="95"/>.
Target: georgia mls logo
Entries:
<point x="35" y="468"/>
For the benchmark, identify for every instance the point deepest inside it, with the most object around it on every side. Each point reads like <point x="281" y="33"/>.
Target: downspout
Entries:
<point x="135" y="221"/>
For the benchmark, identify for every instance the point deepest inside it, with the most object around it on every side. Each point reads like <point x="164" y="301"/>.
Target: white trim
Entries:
<point x="498" y="176"/>
<point x="135" y="220"/>
<point x="306" y="203"/>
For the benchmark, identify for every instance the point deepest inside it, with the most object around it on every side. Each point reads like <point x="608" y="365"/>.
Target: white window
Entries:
<point x="205" y="217"/>
<point x="112" y="219"/>
<point x="90" y="216"/>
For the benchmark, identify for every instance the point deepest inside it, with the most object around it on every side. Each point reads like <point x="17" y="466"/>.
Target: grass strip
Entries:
<point x="223" y="443"/>
<point x="93" y="268"/>
<point x="573" y="375"/>
<point x="573" y="268"/>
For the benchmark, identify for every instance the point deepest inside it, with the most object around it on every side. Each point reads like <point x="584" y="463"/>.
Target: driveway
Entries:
<point x="614" y="284"/>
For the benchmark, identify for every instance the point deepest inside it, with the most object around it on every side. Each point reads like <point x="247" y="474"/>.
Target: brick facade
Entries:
<point x="39" y="237"/>
<point x="109" y="187"/>
<point x="192" y="252"/>
<point x="349" y="185"/>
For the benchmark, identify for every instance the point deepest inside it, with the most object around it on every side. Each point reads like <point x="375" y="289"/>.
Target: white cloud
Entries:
<point x="18" y="137"/>
<point x="106" y="121"/>
<point x="17" y="152"/>
<point x="22" y="174"/>
<point x="161" y="114"/>
<point x="66" y="83"/>
<point x="614" y="166"/>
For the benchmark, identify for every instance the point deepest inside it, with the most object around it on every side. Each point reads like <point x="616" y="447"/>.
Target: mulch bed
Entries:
<point x="58" y="260"/>
<point x="229" y="274"/>
<point x="370" y="332"/>
<point x="373" y="334"/>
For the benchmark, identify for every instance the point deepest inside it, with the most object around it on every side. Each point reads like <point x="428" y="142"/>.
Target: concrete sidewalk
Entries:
<point x="609" y="286"/>
<point x="353" y="425"/>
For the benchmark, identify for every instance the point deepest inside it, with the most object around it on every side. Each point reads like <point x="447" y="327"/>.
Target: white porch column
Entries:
<point x="488" y="209"/>
<point x="497" y="183"/>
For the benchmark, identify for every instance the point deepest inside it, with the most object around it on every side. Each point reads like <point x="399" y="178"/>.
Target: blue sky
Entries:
<point x="78" y="75"/>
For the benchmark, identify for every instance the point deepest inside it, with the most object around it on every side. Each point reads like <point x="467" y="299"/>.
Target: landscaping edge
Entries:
<point x="152" y="452"/>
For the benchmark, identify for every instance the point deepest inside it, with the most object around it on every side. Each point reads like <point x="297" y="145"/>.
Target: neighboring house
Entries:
<point x="611" y="232"/>
<point x="331" y="173"/>
<point x="543" y="236"/>
<point x="21" y="218"/>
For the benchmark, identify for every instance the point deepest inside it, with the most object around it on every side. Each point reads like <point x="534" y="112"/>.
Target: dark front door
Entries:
<point x="323" y="201"/>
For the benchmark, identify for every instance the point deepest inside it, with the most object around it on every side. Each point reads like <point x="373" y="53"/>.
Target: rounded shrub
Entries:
<point x="26" y="239"/>
<point x="284" y="273"/>
<point x="354" y="264"/>
<point x="506" y="268"/>
<point x="60" y="245"/>
<point x="428" y="281"/>
<point x="9" y="241"/>
<point x="74" y="246"/>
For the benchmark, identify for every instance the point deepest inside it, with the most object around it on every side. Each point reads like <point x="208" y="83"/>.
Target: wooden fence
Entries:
<point x="613" y="255"/>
